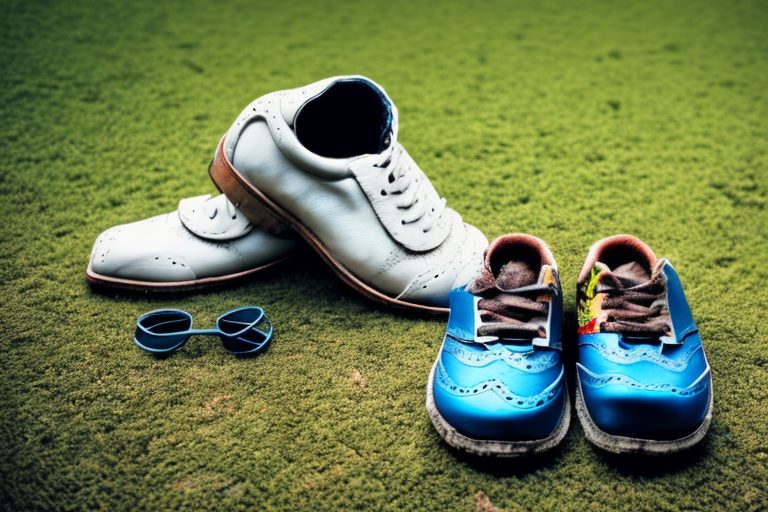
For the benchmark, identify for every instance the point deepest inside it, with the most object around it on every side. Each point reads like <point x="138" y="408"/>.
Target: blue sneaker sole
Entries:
<point x="623" y="445"/>
<point x="490" y="447"/>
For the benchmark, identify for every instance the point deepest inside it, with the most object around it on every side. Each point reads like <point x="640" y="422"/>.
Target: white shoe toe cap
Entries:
<point x="162" y="249"/>
<point x="140" y="251"/>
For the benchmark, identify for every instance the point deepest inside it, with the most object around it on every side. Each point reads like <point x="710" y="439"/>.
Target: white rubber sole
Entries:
<point x="489" y="447"/>
<point x="174" y="286"/>
<point x="625" y="445"/>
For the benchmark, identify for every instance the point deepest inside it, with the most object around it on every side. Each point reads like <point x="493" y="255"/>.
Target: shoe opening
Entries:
<point x="619" y="251"/>
<point x="515" y="260"/>
<point x="350" y="118"/>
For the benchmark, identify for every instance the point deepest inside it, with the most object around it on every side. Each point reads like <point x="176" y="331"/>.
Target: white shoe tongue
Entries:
<point x="214" y="218"/>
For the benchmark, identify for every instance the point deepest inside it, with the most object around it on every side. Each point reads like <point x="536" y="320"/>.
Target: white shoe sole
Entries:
<point x="120" y="283"/>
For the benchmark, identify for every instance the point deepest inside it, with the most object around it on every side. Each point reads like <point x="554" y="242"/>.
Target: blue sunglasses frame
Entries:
<point x="165" y="331"/>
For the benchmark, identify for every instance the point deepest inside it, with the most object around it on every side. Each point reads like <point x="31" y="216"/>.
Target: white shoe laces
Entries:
<point x="407" y="189"/>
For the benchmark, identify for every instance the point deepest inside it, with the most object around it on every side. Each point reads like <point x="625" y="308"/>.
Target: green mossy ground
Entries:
<point x="561" y="119"/>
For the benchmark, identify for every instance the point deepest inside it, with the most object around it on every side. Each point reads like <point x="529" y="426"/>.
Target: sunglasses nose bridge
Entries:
<point x="207" y="332"/>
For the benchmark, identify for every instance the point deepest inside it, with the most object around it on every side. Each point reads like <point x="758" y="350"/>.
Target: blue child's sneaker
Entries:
<point x="498" y="386"/>
<point x="643" y="380"/>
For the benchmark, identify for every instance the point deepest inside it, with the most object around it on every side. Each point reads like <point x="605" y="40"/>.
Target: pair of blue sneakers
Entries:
<point x="643" y="383"/>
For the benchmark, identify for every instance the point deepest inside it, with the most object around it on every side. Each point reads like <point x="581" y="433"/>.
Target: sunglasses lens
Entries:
<point x="162" y="331"/>
<point x="247" y="330"/>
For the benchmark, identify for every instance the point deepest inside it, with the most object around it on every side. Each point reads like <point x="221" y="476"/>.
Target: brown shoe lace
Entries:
<point x="514" y="314"/>
<point x="634" y="309"/>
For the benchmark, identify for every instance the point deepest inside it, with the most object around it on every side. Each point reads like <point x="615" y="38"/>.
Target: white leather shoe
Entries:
<point x="206" y="241"/>
<point x="324" y="159"/>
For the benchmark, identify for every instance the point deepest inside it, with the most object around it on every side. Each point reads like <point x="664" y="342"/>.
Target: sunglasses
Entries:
<point x="242" y="331"/>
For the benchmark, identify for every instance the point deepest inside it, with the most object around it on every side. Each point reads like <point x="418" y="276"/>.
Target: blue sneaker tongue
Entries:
<point x="632" y="273"/>
<point x="516" y="274"/>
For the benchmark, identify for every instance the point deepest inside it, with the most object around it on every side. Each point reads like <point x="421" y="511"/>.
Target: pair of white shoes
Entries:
<point x="319" y="163"/>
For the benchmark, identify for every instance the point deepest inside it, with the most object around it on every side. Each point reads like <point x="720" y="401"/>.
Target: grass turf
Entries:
<point x="568" y="122"/>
